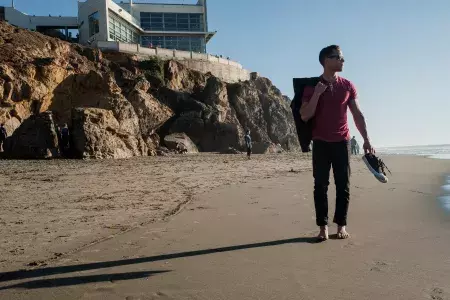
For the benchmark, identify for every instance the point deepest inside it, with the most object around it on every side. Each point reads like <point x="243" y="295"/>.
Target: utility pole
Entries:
<point x="12" y="3"/>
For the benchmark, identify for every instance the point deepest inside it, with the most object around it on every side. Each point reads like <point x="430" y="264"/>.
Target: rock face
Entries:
<point x="180" y="142"/>
<point x="119" y="107"/>
<point x="35" y="138"/>
<point x="97" y="134"/>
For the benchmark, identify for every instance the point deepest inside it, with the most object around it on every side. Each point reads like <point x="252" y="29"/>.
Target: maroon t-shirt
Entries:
<point x="330" y="121"/>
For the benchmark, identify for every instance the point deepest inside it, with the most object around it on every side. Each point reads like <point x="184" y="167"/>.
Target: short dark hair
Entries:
<point x="327" y="51"/>
<point x="3" y="124"/>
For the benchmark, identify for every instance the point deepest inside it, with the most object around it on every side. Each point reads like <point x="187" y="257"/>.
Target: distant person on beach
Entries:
<point x="327" y="104"/>
<point x="354" y="145"/>
<point x="248" y="143"/>
<point x="3" y="136"/>
<point x="65" y="139"/>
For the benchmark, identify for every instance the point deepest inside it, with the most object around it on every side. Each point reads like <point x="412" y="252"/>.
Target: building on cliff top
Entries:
<point x="172" y="26"/>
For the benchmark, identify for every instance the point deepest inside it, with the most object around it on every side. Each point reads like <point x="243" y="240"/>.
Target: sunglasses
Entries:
<point x="338" y="57"/>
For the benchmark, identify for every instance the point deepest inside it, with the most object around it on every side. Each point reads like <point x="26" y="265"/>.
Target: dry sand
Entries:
<point x="244" y="234"/>
<point x="49" y="208"/>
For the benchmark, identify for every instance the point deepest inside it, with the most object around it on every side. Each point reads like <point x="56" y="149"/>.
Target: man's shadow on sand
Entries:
<point x="76" y="280"/>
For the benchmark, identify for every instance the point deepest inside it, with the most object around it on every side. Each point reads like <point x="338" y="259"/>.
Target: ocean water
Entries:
<point x="433" y="151"/>
<point x="445" y="198"/>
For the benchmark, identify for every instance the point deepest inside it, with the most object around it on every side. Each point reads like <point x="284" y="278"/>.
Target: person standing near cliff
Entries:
<point x="248" y="143"/>
<point x="3" y="136"/>
<point x="326" y="104"/>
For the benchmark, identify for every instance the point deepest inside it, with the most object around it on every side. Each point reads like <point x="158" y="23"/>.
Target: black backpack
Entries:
<point x="304" y="129"/>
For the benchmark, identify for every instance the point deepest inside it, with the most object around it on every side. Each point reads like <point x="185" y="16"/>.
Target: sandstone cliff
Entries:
<point x="119" y="107"/>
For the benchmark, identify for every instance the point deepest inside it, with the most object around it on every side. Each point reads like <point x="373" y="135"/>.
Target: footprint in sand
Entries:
<point x="160" y="295"/>
<point x="438" y="294"/>
<point x="351" y="244"/>
<point x="138" y="298"/>
<point x="379" y="266"/>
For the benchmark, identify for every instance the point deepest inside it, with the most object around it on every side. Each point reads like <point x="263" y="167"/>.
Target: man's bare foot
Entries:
<point x="342" y="234"/>
<point x="323" y="234"/>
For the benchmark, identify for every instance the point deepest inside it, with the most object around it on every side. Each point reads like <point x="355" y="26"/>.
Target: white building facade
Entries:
<point x="171" y="26"/>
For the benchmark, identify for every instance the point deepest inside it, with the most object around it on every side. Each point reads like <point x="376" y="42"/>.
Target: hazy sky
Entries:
<point x="397" y="53"/>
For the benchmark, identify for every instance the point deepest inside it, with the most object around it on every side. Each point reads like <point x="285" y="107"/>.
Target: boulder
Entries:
<point x="215" y="95"/>
<point x="162" y="151"/>
<point x="180" y="142"/>
<point x="266" y="148"/>
<point x="151" y="113"/>
<point x="96" y="133"/>
<point x="35" y="138"/>
<point x="262" y="108"/>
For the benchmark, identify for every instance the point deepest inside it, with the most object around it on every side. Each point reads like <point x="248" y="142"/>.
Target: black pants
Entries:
<point x="325" y="155"/>
<point x="249" y="151"/>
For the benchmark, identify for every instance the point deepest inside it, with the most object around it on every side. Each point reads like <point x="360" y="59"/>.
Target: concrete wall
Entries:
<point x="17" y="18"/>
<point x="182" y="54"/>
<point x="227" y="70"/>
<point x="165" y="53"/>
<point x="129" y="48"/>
<point x="85" y="9"/>
<point x="227" y="73"/>
<point x="199" y="56"/>
<point x="146" y="51"/>
<point x="107" y="46"/>
<point x="22" y="20"/>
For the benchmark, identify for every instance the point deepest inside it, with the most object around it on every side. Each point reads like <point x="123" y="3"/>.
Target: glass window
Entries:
<point x="184" y="43"/>
<point x="120" y="30"/>
<point x="171" y="42"/>
<point x="196" y="44"/>
<point x="172" y="22"/>
<point x="156" y="15"/>
<point x="182" y="18"/>
<point x="2" y="13"/>
<point x="94" y="23"/>
<point x="196" y="22"/>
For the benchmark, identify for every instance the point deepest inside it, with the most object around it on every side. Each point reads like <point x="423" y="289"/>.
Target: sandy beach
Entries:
<point x="218" y="227"/>
<point x="53" y="207"/>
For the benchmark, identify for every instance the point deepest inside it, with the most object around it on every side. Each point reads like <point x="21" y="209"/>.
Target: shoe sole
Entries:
<point x="381" y="177"/>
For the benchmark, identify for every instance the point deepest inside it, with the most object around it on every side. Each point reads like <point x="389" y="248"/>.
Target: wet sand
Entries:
<point x="245" y="233"/>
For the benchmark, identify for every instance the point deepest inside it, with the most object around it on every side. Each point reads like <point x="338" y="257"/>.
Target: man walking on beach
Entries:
<point x="326" y="104"/>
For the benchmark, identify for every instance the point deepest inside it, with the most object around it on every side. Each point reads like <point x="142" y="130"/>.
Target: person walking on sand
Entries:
<point x="248" y="143"/>
<point x="354" y="145"/>
<point x="326" y="105"/>
<point x="3" y="136"/>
